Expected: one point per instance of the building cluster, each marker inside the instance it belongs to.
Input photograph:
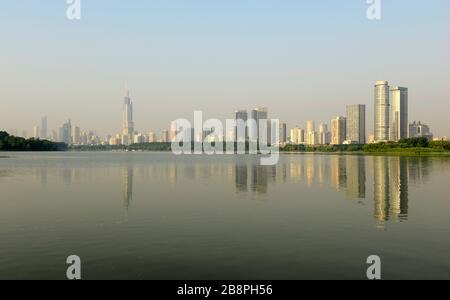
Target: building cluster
(391, 115)
(390, 124)
(350, 129)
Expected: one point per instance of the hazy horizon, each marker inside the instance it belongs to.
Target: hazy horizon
(301, 60)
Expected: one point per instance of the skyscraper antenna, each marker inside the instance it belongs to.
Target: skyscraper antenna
(127, 90)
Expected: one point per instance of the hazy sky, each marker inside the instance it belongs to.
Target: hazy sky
(302, 59)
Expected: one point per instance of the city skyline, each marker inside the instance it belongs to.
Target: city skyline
(391, 124)
(300, 59)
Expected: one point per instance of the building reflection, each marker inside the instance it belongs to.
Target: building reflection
(381, 197)
(259, 178)
(338, 167)
(390, 189)
(355, 175)
(127, 174)
(348, 174)
(255, 178)
(241, 176)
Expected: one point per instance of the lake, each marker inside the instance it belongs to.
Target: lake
(159, 216)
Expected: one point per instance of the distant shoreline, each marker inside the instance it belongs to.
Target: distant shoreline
(355, 153)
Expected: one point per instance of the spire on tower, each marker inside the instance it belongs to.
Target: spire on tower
(127, 90)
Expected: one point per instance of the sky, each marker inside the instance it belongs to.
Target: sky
(301, 59)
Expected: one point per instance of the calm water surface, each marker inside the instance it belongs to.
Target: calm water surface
(159, 216)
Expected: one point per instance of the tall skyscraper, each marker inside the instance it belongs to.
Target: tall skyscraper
(356, 123)
(399, 113)
(43, 131)
(382, 111)
(241, 115)
(258, 114)
(338, 130)
(128, 124)
(310, 132)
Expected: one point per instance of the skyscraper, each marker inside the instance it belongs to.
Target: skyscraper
(297, 136)
(356, 123)
(310, 132)
(76, 135)
(241, 116)
(324, 134)
(259, 114)
(399, 113)
(128, 124)
(283, 133)
(338, 130)
(43, 131)
(65, 133)
(382, 111)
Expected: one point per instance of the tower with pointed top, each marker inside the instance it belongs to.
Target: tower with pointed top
(128, 124)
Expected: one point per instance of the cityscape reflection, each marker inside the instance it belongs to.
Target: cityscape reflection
(349, 174)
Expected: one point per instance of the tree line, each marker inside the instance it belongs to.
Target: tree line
(420, 144)
(13, 143)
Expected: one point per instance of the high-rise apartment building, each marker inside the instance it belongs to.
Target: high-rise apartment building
(297, 136)
(324, 134)
(356, 124)
(338, 130)
(382, 111)
(399, 113)
(310, 132)
(283, 133)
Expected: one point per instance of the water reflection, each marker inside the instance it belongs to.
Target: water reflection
(391, 176)
(127, 187)
(391, 188)
(351, 175)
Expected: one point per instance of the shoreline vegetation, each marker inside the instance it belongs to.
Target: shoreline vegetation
(410, 147)
(407, 147)
(13, 143)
